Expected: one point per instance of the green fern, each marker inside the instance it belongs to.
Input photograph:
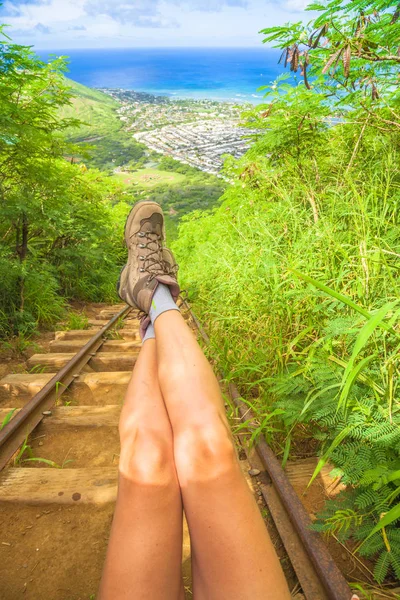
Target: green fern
(368, 459)
(382, 566)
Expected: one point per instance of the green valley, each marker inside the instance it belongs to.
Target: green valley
(104, 142)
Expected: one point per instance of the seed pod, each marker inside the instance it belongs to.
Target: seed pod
(331, 60)
(294, 63)
(346, 60)
(319, 34)
(375, 93)
(285, 54)
(306, 82)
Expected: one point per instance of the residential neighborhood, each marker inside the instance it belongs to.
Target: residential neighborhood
(195, 132)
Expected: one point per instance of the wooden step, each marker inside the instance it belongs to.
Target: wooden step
(107, 314)
(77, 416)
(130, 334)
(300, 472)
(114, 361)
(117, 307)
(75, 334)
(59, 486)
(83, 416)
(23, 385)
(49, 363)
(109, 346)
(98, 322)
(85, 335)
(26, 385)
(73, 486)
(103, 361)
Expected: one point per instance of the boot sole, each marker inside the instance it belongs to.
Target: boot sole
(119, 283)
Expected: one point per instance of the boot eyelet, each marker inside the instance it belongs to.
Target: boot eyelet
(142, 270)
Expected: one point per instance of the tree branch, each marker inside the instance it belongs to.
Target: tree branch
(386, 57)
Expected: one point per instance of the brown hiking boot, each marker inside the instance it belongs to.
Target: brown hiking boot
(171, 264)
(148, 262)
(172, 269)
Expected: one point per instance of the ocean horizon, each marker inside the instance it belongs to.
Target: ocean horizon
(223, 74)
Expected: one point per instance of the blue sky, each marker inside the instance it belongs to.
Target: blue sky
(67, 24)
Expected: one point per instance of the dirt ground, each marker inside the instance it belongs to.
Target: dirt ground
(55, 553)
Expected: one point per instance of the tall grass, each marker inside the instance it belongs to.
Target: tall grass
(304, 313)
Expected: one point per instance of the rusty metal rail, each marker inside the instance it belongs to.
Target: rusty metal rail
(24, 422)
(317, 572)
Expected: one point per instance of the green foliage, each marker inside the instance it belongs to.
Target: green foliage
(96, 110)
(100, 139)
(76, 321)
(60, 224)
(296, 273)
(180, 189)
(350, 49)
(7, 418)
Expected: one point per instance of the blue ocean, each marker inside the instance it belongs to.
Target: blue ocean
(217, 73)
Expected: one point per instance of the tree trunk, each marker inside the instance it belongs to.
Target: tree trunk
(23, 248)
(22, 251)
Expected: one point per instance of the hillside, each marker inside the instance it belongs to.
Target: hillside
(105, 145)
(96, 109)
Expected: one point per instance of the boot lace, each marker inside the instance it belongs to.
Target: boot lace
(152, 262)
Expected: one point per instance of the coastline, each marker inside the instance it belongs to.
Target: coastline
(198, 96)
(219, 74)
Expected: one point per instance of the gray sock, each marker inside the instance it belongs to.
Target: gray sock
(150, 334)
(162, 301)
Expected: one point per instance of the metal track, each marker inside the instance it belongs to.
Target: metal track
(24, 422)
(317, 572)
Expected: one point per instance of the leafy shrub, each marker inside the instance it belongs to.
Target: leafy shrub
(61, 224)
(75, 321)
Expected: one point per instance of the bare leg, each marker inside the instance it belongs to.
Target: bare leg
(232, 554)
(145, 549)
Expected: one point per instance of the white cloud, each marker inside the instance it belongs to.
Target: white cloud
(297, 5)
(69, 23)
(50, 13)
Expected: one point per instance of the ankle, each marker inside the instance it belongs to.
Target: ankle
(162, 302)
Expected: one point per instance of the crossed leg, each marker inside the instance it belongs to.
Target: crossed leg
(176, 445)
(145, 550)
(229, 539)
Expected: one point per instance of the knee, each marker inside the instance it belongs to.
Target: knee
(204, 451)
(146, 456)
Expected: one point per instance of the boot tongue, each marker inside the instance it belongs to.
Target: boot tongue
(153, 225)
(153, 251)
